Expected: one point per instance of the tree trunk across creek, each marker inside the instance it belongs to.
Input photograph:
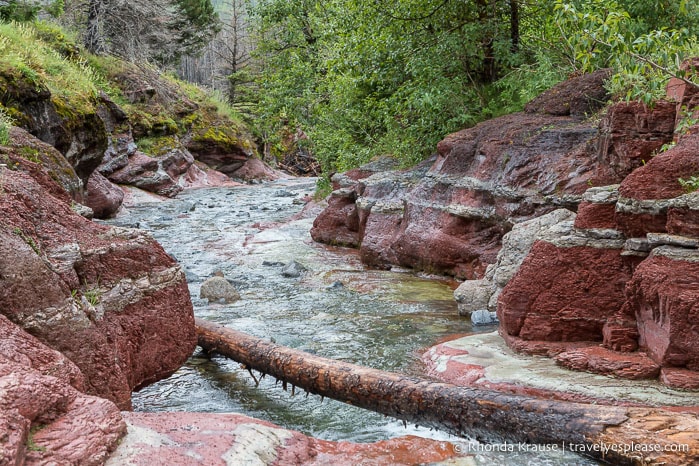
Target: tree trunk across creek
(619, 435)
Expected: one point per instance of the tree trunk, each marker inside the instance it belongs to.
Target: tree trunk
(483, 414)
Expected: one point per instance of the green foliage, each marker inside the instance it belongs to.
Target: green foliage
(600, 33)
(23, 10)
(690, 184)
(5, 123)
(196, 24)
(35, 53)
(93, 296)
(31, 444)
(364, 78)
(19, 11)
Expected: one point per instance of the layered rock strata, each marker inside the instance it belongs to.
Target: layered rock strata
(630, 300)
(449, 214)
(111, 300)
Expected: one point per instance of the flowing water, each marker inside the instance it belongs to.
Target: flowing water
(336, 309)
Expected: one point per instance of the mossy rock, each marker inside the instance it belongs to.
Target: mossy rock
(27, 147)
(158, 146)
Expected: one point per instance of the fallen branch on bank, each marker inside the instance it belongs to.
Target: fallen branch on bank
(620, 435)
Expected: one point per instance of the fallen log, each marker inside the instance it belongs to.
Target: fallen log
(620, 435)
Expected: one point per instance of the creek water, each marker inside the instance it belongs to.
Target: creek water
(337, 308)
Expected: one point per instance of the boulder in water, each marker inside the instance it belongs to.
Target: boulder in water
(217, 288)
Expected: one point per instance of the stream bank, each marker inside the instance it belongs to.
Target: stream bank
(337, 308)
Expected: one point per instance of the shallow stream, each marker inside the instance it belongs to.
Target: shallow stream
(336, 309)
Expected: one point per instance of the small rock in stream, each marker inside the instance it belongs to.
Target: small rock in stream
(483, 317)
(218, 289)
(293, 270)
(335, 285)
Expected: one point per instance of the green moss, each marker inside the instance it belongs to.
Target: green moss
(31, 444)
(218, 136)
(29, 153)
(157, 146)
(6, 122)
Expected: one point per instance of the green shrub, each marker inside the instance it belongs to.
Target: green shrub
(5, 124)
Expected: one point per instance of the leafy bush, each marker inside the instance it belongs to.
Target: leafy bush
(5, 124)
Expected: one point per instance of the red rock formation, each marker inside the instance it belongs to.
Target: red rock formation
(664, 296)
(44, 418)
(647, 319)
(449, 214)
(111, 300)
(102, 196)
(575, 291)
(237, 439)
(631, 133)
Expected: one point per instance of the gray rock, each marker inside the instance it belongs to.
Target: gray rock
(602, 195)
(293, 270)
(664, 239)
(82, 210)
(483, 317)
(637, 245)
(473, 295)
(218, 289)
(336, 285)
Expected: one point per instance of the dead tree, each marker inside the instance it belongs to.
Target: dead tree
(483, 414)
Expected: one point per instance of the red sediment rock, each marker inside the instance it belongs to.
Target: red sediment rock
(632, 132)
(237, 439)
(339, 222)
(664, 296)
(600, 360)
(111, 300)
(592, 215)
(255, 169)
(658, 179)
(683, 221)
(638, 224)
(563, 294)
(540, 347)
(103, 197)
(39, 390)
(681, 379)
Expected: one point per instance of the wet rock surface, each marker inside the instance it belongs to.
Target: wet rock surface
(218, 289)
(212, 439)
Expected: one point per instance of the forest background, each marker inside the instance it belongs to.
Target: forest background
(350, 80)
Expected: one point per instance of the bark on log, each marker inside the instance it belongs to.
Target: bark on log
(482, 414)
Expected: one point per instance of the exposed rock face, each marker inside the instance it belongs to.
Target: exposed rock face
(102, 196)
(577, 97)
(449, 215)
(255, 169)
(44, 418)
(478, 295)
(577, 290)
(176, 438)
(663, 296)
(79, 134)
(151, 173)
(111, 300)
(631, 286)
(27, 146)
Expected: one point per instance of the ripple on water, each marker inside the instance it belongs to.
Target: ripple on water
(379, 319)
